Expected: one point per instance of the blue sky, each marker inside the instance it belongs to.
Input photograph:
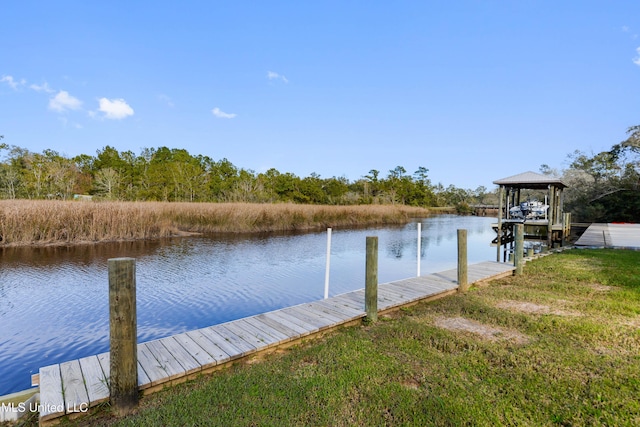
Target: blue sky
(473, 90)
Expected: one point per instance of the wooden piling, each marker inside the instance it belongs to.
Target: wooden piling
(552, 216)
(499, 241)
(463, 284)
(371, 280)
(566, 227)
(519, 249)
(123, 377)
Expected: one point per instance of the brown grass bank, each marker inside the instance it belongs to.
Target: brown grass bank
(44, 222)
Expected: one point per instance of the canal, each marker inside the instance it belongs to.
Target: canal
(54, 301)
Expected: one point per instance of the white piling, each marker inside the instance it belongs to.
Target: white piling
(545, 211)
(326, 274)
(419, 245)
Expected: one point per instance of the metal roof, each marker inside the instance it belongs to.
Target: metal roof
(530, 180)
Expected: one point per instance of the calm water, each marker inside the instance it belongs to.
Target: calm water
(54, 301)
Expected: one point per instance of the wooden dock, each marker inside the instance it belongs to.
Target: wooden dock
(76, 385)
(620, 236)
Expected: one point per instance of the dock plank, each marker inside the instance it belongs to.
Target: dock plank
(143, 379)
(450, 276)
(429, 284)
(166, 361)
(150, 365)
(489, 269)
(431, 290)
(336, 306)
(254, 335)
(356, 304)
(75, 393)
(241, 337)
(202, 357)
(314, 319)
(387, 300)
(236, 337)
(181, 355)
(396, 295)
(314, 315)
(275, 329)
(105, 363)
(51, 398)
(95, 379)
(596, 235)
(356, 296)
(275, 317)
(285, 314)
(203, 341)
(327, 312)
(429, 287)
(439, 282)
(405, 292)
(217, 336)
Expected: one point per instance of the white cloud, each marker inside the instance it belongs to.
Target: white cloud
(115, 109)
(221, 114)
(63, 102)
(12, 82)
(637, 59)
(41, 88)
(272, 75)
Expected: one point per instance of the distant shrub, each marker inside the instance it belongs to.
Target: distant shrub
(463, 208)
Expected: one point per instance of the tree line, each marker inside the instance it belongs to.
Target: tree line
(170, 174)
(604, 187)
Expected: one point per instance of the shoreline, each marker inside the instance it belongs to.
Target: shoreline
(66, 244)
(45, 223)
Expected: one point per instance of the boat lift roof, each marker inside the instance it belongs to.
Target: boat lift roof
(530, 180)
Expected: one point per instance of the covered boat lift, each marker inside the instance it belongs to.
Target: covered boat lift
(552, 229)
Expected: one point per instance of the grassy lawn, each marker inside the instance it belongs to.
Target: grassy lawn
(559, 345)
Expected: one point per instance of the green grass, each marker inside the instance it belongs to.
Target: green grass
(579, 366)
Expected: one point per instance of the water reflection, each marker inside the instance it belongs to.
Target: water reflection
(54, 301)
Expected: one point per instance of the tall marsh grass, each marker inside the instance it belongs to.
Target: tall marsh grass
(43, 222)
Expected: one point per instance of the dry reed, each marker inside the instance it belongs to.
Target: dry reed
(42, 222)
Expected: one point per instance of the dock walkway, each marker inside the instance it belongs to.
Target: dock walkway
(76, 385)
(619, 236)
